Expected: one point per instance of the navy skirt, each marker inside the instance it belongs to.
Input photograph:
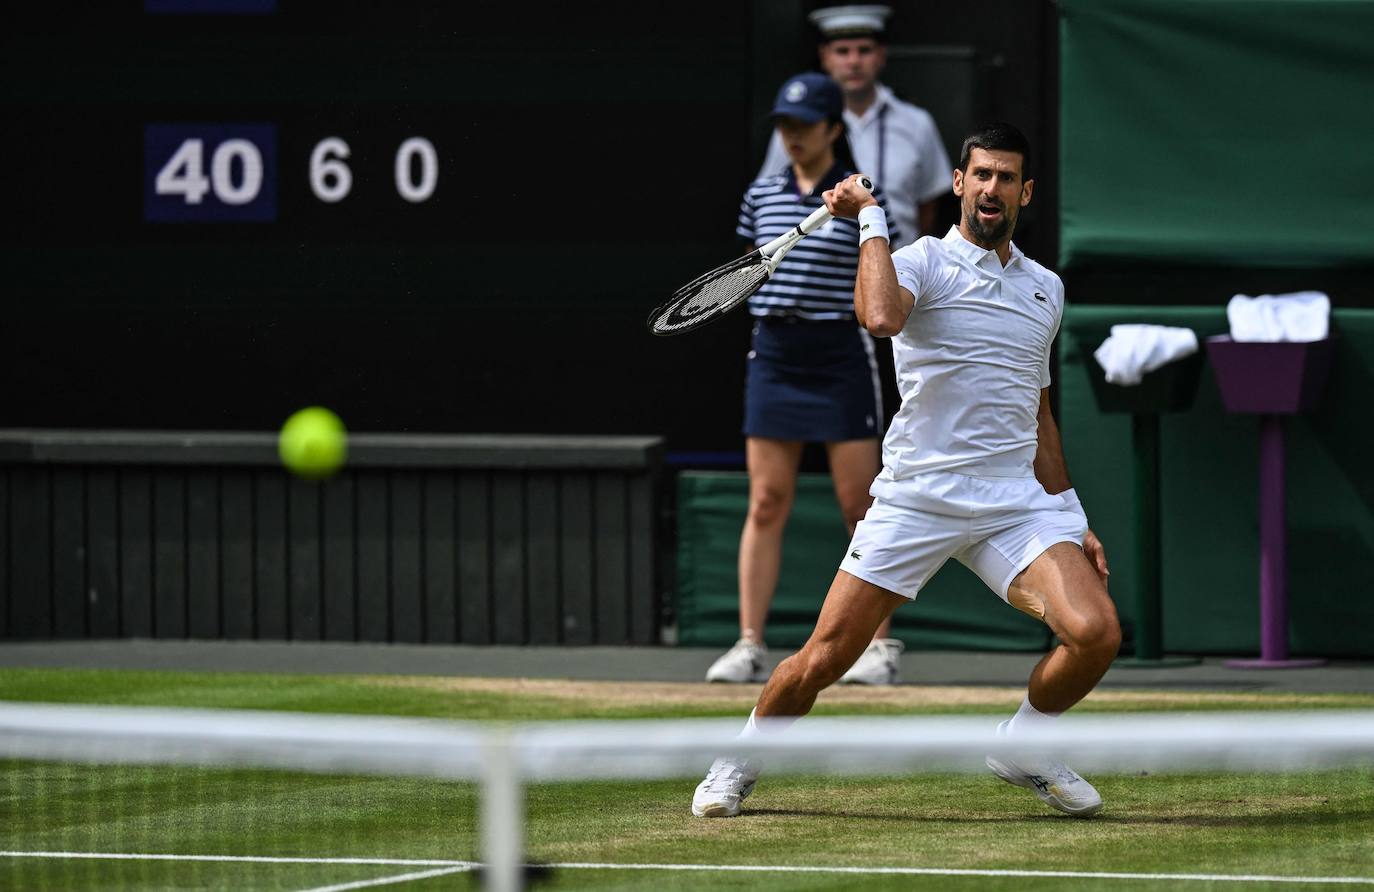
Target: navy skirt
(816, 382)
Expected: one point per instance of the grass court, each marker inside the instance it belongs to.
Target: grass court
(333, 832)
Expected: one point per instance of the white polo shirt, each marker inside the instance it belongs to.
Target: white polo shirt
(971, 361)
(898, 145)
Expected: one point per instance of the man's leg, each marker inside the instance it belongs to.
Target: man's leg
(772, 486)
(899, 548)
(1064, 588)
(853, 609)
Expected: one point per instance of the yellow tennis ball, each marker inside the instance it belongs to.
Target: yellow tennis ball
(313, 443)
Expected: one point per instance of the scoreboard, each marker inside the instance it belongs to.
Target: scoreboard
(228, 172)
(426, 214)
(190, 123)
(295, 124)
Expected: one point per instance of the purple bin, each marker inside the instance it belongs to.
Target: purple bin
(1270, 378)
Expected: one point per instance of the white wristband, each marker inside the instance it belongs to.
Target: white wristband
(1074, 505)
(872, 223)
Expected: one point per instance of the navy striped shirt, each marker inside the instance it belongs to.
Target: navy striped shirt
(816, 278)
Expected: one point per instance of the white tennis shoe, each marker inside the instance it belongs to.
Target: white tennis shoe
(727, 784)
(1057, 785)
(878, 664)
(741, 663)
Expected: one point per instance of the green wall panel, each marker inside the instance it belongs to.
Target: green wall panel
(1204, 130)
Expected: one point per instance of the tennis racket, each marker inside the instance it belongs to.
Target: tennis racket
(712, 295)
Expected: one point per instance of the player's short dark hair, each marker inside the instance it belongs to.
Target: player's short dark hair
(997, 136)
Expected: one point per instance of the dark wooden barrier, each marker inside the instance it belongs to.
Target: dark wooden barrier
(422, 538)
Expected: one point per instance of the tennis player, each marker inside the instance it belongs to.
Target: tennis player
(812, 376)
(972, 468)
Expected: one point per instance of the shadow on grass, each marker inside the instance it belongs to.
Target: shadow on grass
(1279, 820)
(904, 817)
(1282, 820)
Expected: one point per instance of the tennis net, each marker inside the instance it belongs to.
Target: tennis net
(109, 797)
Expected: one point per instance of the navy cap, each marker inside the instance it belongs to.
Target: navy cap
(811, 97)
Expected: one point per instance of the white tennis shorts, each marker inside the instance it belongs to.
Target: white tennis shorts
(995, 526)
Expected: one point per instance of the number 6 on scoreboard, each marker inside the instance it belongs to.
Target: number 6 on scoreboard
(330, 178)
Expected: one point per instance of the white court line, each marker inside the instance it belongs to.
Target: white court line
(732, 868)
(387, 881)
(247, 859)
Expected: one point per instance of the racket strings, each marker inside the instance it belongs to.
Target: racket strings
(734, 284)
(709, 295)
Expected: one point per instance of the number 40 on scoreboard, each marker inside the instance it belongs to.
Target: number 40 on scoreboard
(227, 173)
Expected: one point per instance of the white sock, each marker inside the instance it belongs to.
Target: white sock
(759, 727)
(1028, 718)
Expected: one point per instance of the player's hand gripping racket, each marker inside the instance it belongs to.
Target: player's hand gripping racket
(712, 295)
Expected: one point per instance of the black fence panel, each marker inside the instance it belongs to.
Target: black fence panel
(422, 538)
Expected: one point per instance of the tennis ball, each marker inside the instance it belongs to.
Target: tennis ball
(313, 443)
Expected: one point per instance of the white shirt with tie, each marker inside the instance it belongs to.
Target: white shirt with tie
(898, 145)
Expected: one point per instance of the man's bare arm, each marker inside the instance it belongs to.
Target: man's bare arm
(1050, 469)
(880, 304)
(1053, 474)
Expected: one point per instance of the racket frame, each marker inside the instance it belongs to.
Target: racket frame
(770, 256)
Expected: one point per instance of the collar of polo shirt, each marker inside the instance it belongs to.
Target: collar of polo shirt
(955, 241)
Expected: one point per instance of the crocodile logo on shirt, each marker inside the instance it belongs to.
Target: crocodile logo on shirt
(1040, 297)
(855, 555)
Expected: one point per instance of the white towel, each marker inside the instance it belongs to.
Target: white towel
(1301, 316)
(1134, 350)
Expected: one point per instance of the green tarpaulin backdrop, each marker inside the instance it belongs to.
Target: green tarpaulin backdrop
(1217, 131)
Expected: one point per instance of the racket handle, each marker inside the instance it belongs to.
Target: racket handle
(822, 215)
(819, 217)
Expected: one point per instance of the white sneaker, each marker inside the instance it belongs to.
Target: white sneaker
(741, 663)
(1057, 785)
(878, 664)
(727, 784)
